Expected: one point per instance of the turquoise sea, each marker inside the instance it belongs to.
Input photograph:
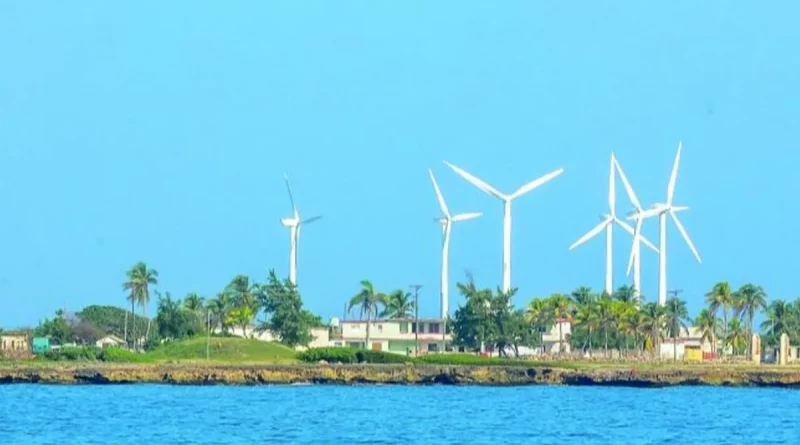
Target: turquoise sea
(153, 414)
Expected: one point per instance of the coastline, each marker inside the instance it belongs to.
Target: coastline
(266, 374)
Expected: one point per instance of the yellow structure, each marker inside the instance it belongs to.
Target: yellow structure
(693, 353)
(755, 350)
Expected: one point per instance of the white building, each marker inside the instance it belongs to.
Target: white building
(319, 336)
(398, 336)
(109, 340)
(689, 345)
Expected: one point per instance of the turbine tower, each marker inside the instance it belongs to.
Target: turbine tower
(635, 258)
(608, 222)
(486, 188)
(446, 220)
(662, 210)
(294, 224)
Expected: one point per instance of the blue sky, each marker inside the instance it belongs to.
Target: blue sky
(160, 132)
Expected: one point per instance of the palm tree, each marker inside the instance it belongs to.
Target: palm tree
(708, 324)
(243, 298)
(653, 321)
(562, 307)
(586, 316)
(399, 305)
(626, 294)
(193, 302)
(780, 319)
(676, 315)
(720, 296)
(736, 336)
(540, 316)
(583, 295)
(220, 306)
(140, 278)
(633, 325)
(605, 319)
(368, 302)
(750, 299)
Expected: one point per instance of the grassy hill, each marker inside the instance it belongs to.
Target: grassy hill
(224, 349)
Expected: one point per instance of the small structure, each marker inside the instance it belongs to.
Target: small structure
(109, 340)
(784, 351)
(755, 349)
(14, 345)
(40, 345)
(689, 345)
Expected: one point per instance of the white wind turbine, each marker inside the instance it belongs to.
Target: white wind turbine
(446, 220)
(608, 224)
(294, 224)
(635, 258)
(507, 211)
(661, 210)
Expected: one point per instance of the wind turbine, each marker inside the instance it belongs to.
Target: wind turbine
(294, 224)
(635, 259)
(661, 210)
(507, 211)
(446, 220)
(608, 222)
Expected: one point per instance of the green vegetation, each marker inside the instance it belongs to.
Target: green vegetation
(223, 349)
(287, 318)
(112, 320)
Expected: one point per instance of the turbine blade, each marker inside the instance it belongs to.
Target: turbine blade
(674, 176)
(628, 188)
(289, 189)
(466, 216)
(536, 183)
(439, 197)
(625, 226)
(654, 211)
(310, 220)
(680, 208)
(476, 182)
(591, 233)
(636, 237)
(685, 236)
(612, 187)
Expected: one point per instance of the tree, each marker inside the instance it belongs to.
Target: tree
(194, 303)
(653, 321)
(562, 307)
(174, 320)
(708, 324)
(57, 329)
(220, 306)
(244, 302)
(585, 322)
(472, 325)
(287, 319)
(720, 296)
(540, 316)
(750, 300)
(399, 305)
(605, 319)
(675, 316)
(736, 336)
(112, 320)
(780, 320)
(368, 302)
(626, 294)
(140, 278)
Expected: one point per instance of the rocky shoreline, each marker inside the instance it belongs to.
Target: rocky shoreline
(209, 374)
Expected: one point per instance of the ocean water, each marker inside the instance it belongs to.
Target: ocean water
(154, 414)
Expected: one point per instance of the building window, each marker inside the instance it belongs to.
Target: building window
(404, 327)
(433, 347)
(434, 328)
(413, 328)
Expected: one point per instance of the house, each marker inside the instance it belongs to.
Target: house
(109, 340)
(40, 345)
(688, 346)
(398, 336)
(14, 345)
(319, 336)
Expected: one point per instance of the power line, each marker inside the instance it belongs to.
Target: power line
(416, 288)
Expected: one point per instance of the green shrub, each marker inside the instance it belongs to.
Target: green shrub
(330, 355)
(467, 359)
(116, 354)
(80, 353)
(367, 356)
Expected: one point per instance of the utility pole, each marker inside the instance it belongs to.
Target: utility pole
(208, 334)
(675, 292)
(416, 288)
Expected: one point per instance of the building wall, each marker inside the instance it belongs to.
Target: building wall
(393, 330)
(14, 346)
